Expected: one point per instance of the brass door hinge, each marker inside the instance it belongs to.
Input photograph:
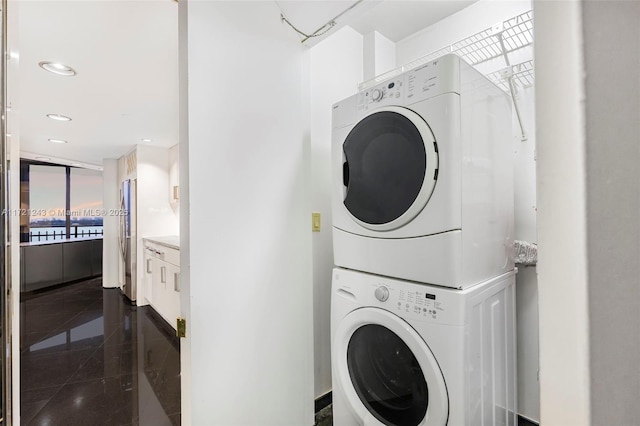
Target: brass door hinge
(181, 327)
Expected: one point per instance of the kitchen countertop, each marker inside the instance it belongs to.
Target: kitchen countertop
(63, 241)
(171, 241)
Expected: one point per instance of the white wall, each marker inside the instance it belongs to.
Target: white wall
(174, 179)
(477, 17)
(250, 325)
(110, 242)
(589, 200)
(328, 84)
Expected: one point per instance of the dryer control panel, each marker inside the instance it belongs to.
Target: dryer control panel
(423, 81)
(430, 79)
(391, 92)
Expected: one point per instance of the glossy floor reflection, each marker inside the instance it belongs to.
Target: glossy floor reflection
(89, 358)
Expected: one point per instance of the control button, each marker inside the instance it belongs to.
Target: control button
(376, 95)
(391, 85)
(382, 293)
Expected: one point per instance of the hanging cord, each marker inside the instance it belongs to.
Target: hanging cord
(511, 86)
(320, 31)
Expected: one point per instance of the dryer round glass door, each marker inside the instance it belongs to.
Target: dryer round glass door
(390, 168)
(387, 371)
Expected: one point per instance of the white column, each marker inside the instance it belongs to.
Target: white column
(612, 112)
(379, 55)
(13, 145)
(588, 97)
(562, 222)
(110, 242)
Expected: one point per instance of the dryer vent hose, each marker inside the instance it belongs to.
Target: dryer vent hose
(526, 253)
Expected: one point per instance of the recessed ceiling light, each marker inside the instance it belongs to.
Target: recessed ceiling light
(57, 68)
(59, 117)
(43, 158)
(57, 140)
(145, 140)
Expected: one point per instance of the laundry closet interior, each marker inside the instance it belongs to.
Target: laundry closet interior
(354, 60)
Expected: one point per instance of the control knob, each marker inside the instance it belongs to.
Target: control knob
(377, 95)
(382, 293)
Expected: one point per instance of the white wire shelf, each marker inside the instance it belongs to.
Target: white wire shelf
(516, 33)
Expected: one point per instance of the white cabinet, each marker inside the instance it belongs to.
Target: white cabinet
(162, 279)
(149, 263)
(170, 282)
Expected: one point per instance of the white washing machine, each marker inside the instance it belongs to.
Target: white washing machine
(409, 354)
(423, 177)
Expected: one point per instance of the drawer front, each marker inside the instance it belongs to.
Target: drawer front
(165, 253)
(150, 248)
(169, 255)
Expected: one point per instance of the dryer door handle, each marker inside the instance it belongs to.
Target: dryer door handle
(345, 173)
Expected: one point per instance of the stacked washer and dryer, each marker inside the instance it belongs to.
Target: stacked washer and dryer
(423, 293)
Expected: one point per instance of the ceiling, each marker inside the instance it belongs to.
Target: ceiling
(398, 19)
(125, 55)
(394, 19)
(126, 87)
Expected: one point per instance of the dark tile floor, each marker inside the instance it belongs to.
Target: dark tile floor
(89, 358)
(324, 417)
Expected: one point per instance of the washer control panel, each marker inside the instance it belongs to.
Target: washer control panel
(382, 293)
(407, 300)
(416, 301)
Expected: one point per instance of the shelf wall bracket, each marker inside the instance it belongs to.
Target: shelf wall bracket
(508, 74)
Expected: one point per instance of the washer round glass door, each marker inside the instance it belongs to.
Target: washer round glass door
(388, 372)
(389, 169)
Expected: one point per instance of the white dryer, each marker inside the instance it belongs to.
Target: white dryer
(423, 177)
(409, 354)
